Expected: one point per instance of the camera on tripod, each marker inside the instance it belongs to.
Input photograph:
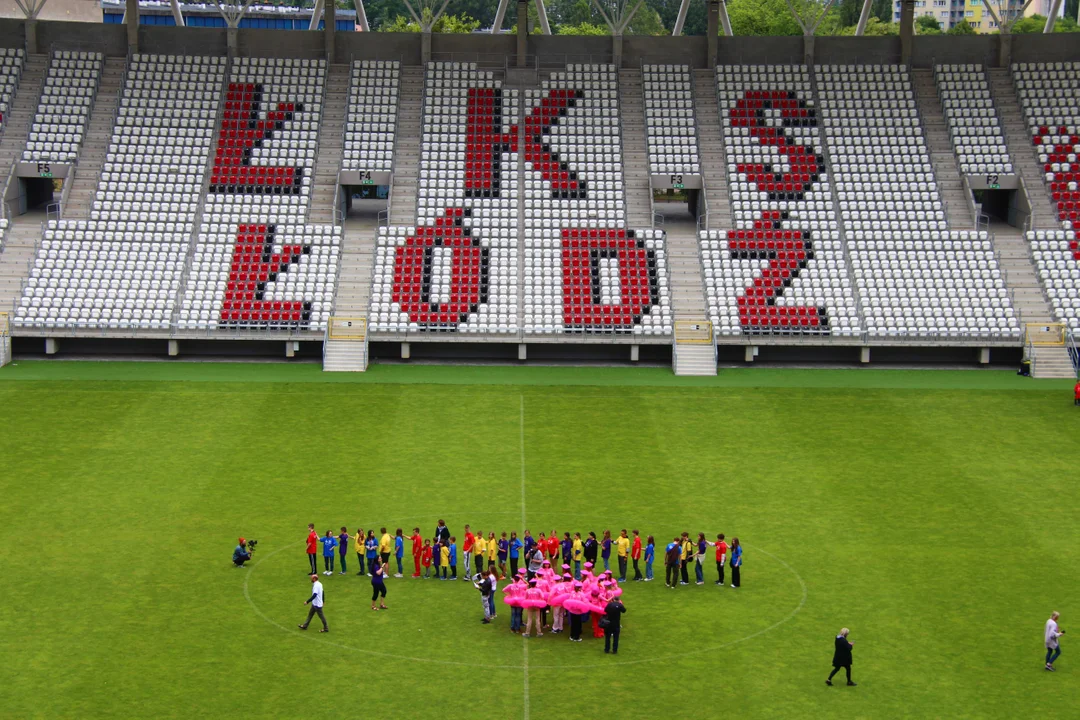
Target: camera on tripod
(251, 545)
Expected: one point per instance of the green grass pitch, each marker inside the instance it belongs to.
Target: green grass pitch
(934, 513)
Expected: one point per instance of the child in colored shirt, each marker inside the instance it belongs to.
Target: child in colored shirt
(425, 559)
(399, 552)
(444, 559)
(343, 548)
(328, 544)
(453, 558)
(650, 553)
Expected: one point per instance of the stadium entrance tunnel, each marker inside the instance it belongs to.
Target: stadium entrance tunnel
(36, 194)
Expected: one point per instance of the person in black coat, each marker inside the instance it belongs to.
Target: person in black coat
(443, 534)
(842, 656)
(612, 615)
(591, 547)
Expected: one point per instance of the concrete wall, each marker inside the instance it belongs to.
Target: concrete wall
(856, 50)
(484, 49)
(11, 33)
(927, 51)
(110, 39)
(404, 47)
(187, 41)
(570, 48)
(759, 50)
(638, 49)
(256, 42)
(1056, 47)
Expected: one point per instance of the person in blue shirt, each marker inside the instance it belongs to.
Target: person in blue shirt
(343, 547)
(699, 558)
(371, 549)
(650, 553)
(528, 543)
(515, 553)
(453, 558)
(240, 555)
(736, 563)
(399, 551)
(605, 549)
(329, 542)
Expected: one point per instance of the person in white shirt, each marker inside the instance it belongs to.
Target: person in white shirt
(1051, 635)
(316, 603)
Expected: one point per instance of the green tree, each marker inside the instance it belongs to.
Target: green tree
(762, 17)
(461, 24)
(583, 29)
(927, 25)
(882, 10)
(646, 21)
(961, 28)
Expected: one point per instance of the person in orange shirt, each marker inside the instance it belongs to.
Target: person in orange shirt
(466, 550)
(417, 550)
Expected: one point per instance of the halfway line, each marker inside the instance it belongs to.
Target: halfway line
(524, 645)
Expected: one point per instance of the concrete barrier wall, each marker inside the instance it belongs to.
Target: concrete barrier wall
(926, 51)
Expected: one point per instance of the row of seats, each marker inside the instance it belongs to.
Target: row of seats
(878, 149)
(972, 119)
(1049, 95)
(122, 268)
(257, 265)
(782, 271)
(670, 128)
(64, 107)
(371, 117)
(11, 66)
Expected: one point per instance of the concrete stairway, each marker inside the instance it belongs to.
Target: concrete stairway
(407, 147)
(22, 238)
(1023, 154)
(941, 151)
(345, 356)
(1023, 280)
(19, 118)
(324, 189)
(694, 359)
(711, 144)
(634, 150)
(684, 265)
(353, 295)
(1051, 361)
(83, 187)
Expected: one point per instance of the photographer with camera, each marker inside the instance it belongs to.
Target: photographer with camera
(243, 552)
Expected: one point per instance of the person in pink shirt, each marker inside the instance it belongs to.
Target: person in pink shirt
(534, 600)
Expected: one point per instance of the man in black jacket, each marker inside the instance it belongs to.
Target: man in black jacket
(485, 588)
(591, 548)
(842, 656)
(613, 615)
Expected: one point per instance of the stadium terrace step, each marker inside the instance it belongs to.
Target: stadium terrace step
(19, 118)
(639, 206)
(711, 144)
(942, 156)
(407, 147)
(324, 192)
(1051, 361)
(684, 264)
(83, 186)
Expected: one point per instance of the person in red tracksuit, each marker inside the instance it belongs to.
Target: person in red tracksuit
(1076, 393)
(312, 548)
(635, 555)
(417, 550)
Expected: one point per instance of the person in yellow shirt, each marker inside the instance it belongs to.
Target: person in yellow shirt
(622, 546)
(493, 551)
(386, 546)
(579, 551)
(358, 545)
(479, 549)
(687, 551)
(444, 560)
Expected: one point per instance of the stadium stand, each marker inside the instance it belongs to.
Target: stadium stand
(11, 65)
(972, 119)
(122, 267)
(66, 100)
(257, 265)
(669, 120)
(781, 270)
(372, 115)
(1049, 95)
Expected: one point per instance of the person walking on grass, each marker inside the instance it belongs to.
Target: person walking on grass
(1051, 635)
(650, 554)
(343, 548)
(736, 563)
(613, 613)
(399, 552)
(841, 654)
(328, 544)
(721, 557)
(622, 551)
(315, 603)
(671, 563)
(378, 585)
(417, 550)
(312, 548)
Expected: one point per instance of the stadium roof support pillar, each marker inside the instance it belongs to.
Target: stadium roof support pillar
(31, 9)
(712, 31)
(864, 17)
(1052, 16)
(618, 18)
(522, 32)
(541, 14)
(680, 19)
(907, 30)
(132, 20)
(233, 11)
(361, 16)
(178, 15)
(329, 26)
(500, 16)
(316, 13)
